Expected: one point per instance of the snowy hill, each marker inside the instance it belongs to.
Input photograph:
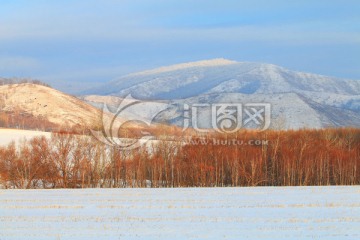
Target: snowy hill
(300, 99)
(41, 102)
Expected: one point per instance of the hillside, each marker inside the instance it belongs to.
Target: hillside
(33, 103)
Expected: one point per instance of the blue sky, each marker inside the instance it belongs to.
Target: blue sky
(69, 43)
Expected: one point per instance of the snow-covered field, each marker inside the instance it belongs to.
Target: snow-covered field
(9, 135)
(203, 213)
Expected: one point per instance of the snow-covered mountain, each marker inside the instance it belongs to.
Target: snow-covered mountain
(298, 99)
(223, 76)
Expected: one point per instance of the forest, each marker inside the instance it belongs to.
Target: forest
(248, 158)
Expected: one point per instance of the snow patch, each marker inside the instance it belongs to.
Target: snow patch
(204, 63)
(14, 135)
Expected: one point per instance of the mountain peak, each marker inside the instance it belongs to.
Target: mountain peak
(204, 63)
(222, 76)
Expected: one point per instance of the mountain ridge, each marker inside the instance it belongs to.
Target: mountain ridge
(327, 101)
(192, 79)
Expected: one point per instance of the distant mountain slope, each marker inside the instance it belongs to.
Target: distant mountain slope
(289, 110)
(48, 104)
(222, 76)
(299, 100)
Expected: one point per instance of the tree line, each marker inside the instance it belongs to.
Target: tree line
(21, 120)
(282, 158)
(15, 80)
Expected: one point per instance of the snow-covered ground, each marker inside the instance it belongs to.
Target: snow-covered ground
(9, 135)
(203, 213)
